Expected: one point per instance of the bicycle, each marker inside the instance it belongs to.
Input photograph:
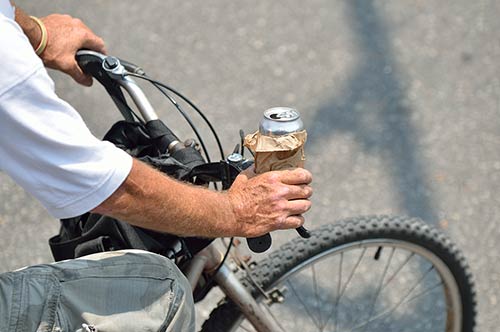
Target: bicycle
(383, 273)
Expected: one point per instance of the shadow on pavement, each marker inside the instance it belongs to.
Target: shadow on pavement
(373, 107)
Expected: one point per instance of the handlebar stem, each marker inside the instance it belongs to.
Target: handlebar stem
(139, 98)
(117, 71)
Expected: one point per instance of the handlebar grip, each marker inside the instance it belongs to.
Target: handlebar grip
(260, 244)
(90, 62)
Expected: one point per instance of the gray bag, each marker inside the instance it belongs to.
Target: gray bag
(129, 290)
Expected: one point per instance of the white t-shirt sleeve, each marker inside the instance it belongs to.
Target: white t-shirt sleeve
(44, 144)
(7, 9)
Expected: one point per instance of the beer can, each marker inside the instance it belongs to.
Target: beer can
(279, 121)
(279, 143)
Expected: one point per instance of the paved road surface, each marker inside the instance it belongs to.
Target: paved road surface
(401, 99)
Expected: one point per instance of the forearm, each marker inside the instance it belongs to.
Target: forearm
(30, 28)
(152, 200)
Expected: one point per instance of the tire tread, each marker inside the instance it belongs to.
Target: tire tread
(328, 236)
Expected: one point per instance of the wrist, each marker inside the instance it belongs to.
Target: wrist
(42, 44)
(29, 27)
(224, 219)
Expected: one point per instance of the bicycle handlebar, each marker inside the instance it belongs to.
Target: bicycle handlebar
(86, 57)
(112, 72)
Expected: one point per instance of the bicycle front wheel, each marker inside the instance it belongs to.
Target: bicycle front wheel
(362, 274)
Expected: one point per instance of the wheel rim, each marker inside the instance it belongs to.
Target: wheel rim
(422, 261)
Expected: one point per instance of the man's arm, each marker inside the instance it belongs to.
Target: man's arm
(66, 35)
(253, 206)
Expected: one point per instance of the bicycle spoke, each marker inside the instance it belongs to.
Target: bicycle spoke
(303, 304)
(353, 272)
(430, 289)
(339, 296)
(402, 301)
(383, 284)
(388, 312)
(315, 284)
(380, 285)
(389, 280)
(339, 284)
(268, 309)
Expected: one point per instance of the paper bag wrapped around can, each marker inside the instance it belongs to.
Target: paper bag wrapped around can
(277, 152)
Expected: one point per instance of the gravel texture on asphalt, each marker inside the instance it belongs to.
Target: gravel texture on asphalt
(400, 100)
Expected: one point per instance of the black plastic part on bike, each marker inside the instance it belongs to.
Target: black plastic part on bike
(222, 171)
(161, 134)
(303, 232)
(260, 244)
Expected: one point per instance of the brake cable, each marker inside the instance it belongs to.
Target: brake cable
(186, 117)
(246, 268)
(189, 102)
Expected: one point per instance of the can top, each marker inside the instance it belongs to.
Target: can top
(282, 114)
(279, 121)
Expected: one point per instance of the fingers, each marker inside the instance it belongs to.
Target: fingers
(294, 209)
(296, 176)
(78, 75)
(273, 200)
(67, 35)
(94, 43)
(297, 192)
(91, 42)
(294, 221)
(298, 207)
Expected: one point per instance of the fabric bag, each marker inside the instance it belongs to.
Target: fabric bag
(119, 291)
(92, 233)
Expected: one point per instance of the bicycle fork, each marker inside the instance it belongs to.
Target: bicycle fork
(228, 282)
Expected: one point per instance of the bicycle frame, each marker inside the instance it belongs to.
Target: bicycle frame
(231, 286)
(210, 258)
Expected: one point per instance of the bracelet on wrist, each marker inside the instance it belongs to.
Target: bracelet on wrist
(43, 41)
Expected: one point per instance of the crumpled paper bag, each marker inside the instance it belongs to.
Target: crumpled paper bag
(277, 152)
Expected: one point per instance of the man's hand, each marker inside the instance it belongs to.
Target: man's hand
(66, 35)
(270, 201)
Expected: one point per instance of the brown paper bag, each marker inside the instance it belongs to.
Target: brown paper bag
(277, 152)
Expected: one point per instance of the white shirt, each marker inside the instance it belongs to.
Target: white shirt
(44, 144)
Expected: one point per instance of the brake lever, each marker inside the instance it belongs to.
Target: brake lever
(303, 232)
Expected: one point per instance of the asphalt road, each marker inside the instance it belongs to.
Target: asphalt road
(400, 99)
